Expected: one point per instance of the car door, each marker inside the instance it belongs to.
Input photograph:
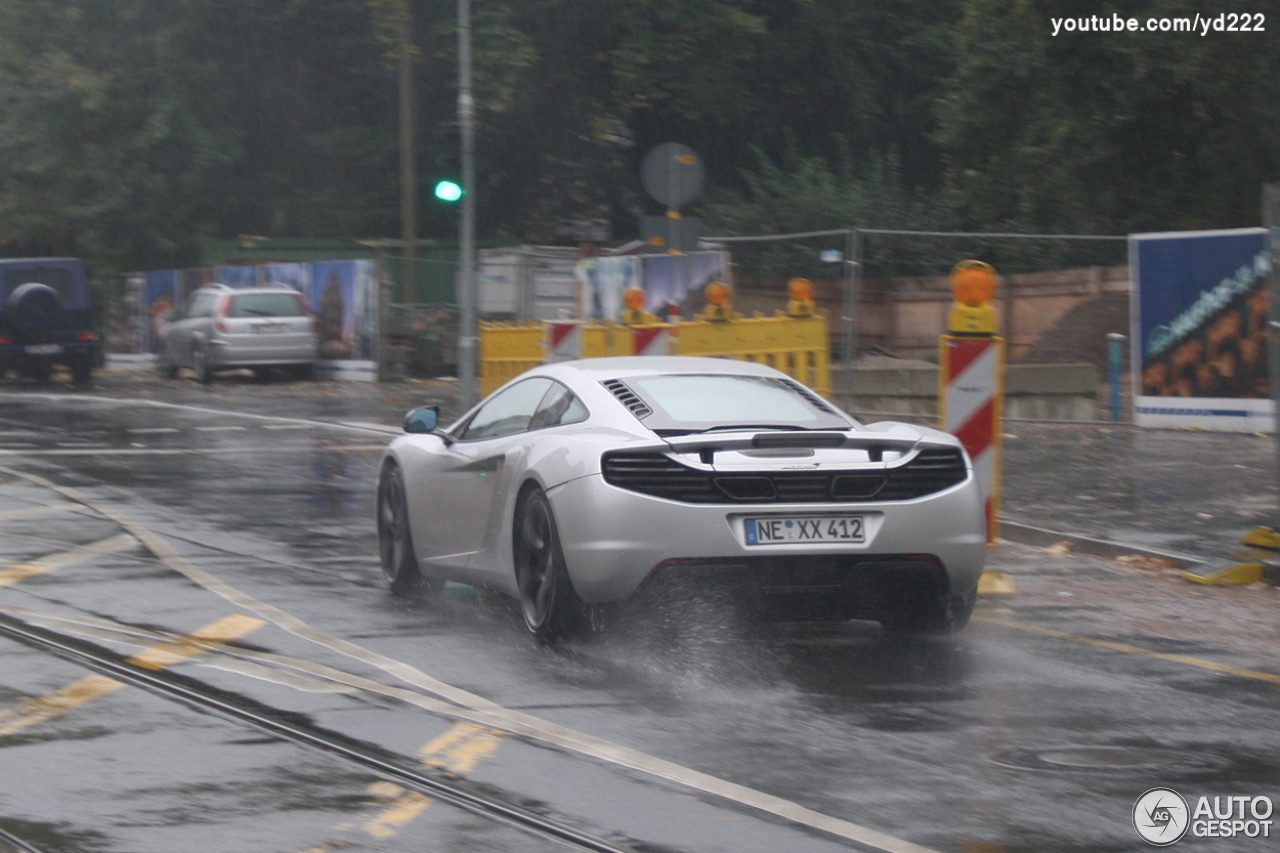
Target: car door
(180, 336)
(461, 495)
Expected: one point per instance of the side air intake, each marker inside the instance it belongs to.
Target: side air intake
(628, 398)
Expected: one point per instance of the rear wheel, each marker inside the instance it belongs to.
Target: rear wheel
(200, 360)
(40, 369)
(395, 543)
(82, 369)
(551, 608)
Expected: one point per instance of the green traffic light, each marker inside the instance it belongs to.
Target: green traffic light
(448, 191)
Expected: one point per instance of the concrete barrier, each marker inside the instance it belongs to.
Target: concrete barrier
(1055, 392)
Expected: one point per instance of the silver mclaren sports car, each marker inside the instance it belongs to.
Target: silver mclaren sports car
(577, 483)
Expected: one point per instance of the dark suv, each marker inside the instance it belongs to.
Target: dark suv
(46, 318)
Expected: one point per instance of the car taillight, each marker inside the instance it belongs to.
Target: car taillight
(224, 306)
(86, 336)
(4, 339)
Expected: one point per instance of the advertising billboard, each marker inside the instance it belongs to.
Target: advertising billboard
(1199, 320)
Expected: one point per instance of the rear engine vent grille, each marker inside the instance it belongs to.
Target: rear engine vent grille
(655, 474)
(817, 402)
(932, 470)
(627, 397)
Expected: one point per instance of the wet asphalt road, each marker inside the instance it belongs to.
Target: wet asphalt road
(1034, 729)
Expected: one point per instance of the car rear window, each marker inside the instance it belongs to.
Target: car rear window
(282, 304)
(698, 402)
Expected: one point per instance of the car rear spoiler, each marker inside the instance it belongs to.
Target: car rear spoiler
(800, 439)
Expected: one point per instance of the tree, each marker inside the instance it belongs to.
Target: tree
(1105, 132)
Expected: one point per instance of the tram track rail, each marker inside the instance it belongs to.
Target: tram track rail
(10, 843)
(177, 688)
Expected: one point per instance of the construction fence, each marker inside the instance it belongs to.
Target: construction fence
(797, 346)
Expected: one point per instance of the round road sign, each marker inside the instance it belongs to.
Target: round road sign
(672, 174)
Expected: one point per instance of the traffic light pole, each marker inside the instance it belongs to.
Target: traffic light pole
(467, 339)
(408, 175)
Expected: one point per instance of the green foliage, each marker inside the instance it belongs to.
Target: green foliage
(132, 129)
(1106, 132)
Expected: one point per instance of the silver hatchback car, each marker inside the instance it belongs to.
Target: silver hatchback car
(254, 327)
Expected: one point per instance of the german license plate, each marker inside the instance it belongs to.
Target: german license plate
(795, 529)
(43, 349)
(269, 328)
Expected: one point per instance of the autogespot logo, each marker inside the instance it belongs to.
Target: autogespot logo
(1160, 816)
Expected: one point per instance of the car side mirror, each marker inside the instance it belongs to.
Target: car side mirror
(422, 420)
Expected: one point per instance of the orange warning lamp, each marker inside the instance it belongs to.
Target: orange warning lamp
(973, 284)
(633, 307)
(800, 293)
(718, 296)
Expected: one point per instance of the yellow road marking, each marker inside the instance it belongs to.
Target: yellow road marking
(53, 562)
(223, 631)
(1135, 650)
(36, 511)
(33, 711)
(459, 749)
(995, 583)
(407, 806)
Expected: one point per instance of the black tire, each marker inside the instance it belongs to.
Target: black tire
(40, 369)
(167, 369)
(548, 602)
(395, 541)
(200, 361)
(82, 369)
(930, 615)
(304, 372)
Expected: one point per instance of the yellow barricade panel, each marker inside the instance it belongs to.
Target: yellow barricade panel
(798, 346)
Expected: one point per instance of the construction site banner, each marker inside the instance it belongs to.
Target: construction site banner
(671, 283)
(342, 294)
(1199, 320)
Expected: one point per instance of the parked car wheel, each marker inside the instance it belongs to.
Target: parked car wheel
(200, 359)
(40, 369)
(82, 369)
(550, 607)
(395, 542)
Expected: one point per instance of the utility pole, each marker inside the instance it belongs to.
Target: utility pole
(467, 339)
(408, 174)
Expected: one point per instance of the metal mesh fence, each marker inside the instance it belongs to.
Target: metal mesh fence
(421, 340)
(1062, 299)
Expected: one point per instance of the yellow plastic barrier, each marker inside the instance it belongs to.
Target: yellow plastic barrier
(506, 351)
(798, 346)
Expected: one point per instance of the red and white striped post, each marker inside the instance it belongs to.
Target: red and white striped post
(562, 341)
(650, 340)
(971, 360)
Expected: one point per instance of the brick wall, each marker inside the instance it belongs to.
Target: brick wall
(906, 315)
